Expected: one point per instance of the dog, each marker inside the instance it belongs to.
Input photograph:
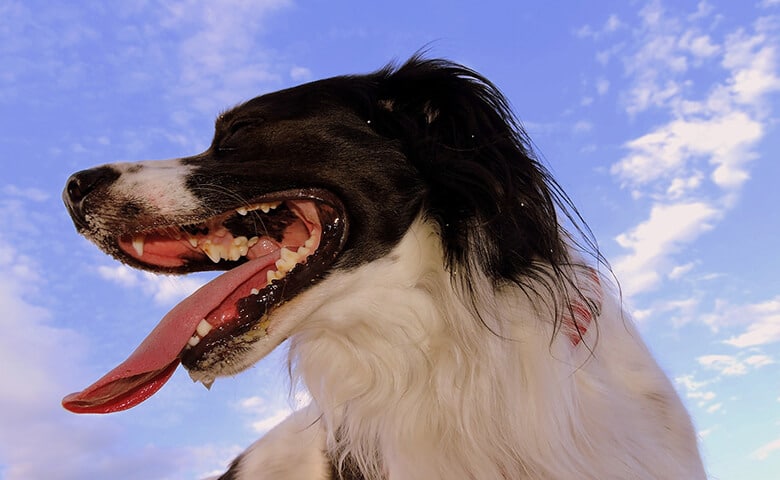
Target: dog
(399, 231)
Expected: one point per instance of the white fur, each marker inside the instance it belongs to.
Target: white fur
(158, 186)
(409, 382)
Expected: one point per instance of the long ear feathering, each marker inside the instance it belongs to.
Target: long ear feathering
(497, 207)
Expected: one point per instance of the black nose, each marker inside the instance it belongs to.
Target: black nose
(80, 185)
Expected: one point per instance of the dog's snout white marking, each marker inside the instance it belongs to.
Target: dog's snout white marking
(159, 186)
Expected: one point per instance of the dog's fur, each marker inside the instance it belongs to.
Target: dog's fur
(460, 333)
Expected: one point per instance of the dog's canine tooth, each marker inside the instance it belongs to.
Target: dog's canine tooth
(212, 251)
(193, 241)
(138, 244)
(242, 211)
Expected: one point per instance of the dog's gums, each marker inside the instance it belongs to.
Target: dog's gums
(272, 250)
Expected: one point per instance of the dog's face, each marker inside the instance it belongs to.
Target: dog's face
(303, 183)
(291, 188)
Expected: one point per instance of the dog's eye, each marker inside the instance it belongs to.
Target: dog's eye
(234, 131)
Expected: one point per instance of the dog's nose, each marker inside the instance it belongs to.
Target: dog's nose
(81, 184)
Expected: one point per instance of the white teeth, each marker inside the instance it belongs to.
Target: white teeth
(267, 207)
(193, 241)
(303, 251)
(255, 291)
(287, 262)
(252, 241)
(138, 244)
(204, 328)
(194, 340)
(212, 251)
(310, 241)
(241, 211)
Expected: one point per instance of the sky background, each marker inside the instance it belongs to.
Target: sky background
(659, 118)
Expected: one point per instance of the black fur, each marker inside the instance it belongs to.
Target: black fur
(428, 119)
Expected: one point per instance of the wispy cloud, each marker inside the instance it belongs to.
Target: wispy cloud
(696, 390)
(766, 450)
(164, 289)
(760, 322)
(734, 365)
(691, 168)
(264, 415)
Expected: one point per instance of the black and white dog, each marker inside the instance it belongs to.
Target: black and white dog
(397, 228)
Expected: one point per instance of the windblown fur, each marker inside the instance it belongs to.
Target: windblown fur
(462, 332)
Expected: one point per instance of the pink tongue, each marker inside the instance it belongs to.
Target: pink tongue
(154, 361)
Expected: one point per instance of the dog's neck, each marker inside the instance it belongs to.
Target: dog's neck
(404, 370)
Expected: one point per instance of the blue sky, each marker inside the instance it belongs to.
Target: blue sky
(659, 118)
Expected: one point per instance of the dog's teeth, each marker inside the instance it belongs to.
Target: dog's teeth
(256, 291)
(288, 260)
(241, 211)
(309, 242)
(194, 340)
(267, 207)
(303, 251)
(270, 276)
(193, 241)
(138, 244)
(289, 256)
(234, 253)
(204, 328)
(252, 242)
(212, 251)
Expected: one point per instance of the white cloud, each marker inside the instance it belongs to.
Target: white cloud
(602, 86)
(695, 390)
(40, 364)
(693, 166)
(672, 148)
(265, 415)
(734, 365)
(300, 74)
(714, 408)
(760, 322)
(611, 25)
(165, 289)
(221, 59)
(765, 451)
(654, 241)
(33, 194)
(752, 59)
(680, 270)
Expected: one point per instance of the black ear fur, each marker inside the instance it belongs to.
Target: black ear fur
(488, 192)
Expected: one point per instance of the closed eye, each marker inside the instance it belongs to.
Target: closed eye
(234, 130)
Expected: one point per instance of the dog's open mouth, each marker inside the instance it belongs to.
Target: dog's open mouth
(272, 249)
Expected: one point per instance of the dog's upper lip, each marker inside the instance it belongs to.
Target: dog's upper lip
(154, 361)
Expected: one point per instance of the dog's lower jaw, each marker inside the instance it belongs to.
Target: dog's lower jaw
(408, 382)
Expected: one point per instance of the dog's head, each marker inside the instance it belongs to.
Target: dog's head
(301, 183)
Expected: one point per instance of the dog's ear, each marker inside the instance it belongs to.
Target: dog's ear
(491, 197)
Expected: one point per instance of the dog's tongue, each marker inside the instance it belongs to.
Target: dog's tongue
(154, 361)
